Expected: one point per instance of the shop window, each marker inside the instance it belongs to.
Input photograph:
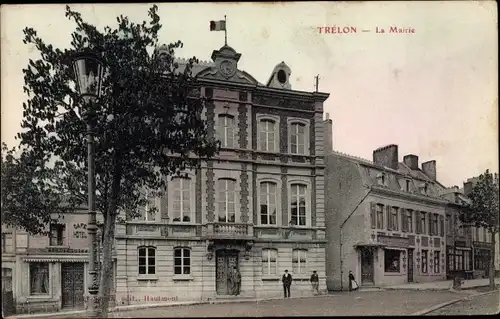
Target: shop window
(147, 261)
(436, 262)
(424, 261)
(39, 278)
(182, 261)
(392, 260)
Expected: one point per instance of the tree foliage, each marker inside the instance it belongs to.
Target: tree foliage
(34, 194)
(483, 211)
(147, 123)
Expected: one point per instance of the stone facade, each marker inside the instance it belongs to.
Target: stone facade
(374, 208)
(189, 258)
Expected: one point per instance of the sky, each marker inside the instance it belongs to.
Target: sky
(433, 92)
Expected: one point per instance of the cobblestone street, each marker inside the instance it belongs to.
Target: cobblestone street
(359, 303)
(481, 305)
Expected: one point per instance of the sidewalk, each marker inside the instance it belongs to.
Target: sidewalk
(443, 285)
(70, 313)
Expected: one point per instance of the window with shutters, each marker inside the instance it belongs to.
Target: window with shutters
(394, 218)
(373, 215)
(380, 216)
(441, 226)
(423, 225)
(57, 234)
(435, 224)
(409, 220)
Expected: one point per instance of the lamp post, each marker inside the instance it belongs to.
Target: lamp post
(88, 71)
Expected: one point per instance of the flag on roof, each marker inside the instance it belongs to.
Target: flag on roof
(218, 25)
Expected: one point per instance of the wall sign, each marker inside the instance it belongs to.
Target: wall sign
(80, 230)
(393, 241)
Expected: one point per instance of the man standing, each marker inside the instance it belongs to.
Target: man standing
(236, 281)
(287, 282)
(315, 283)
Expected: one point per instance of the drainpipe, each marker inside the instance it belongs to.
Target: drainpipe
(342, 225)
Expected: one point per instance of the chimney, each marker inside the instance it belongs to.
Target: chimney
(386, 156)
(429, 169)
(328, 125)
(411, 161)
(467, 188)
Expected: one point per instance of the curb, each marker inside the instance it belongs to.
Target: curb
(448, 303)
(164, 305)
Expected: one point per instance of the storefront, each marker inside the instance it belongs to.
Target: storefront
(459, 261)
(482, 255)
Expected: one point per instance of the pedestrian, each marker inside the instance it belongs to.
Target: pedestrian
(287, 282)
(315, 282)
(236, 281)
(353, 285)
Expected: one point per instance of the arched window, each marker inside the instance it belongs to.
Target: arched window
(298, 205)
(147, 260)
(225, 131)
(182, 210)
(267, 135)
(182, 261)
(269, 262)
(227, 200)
(299, 261)
(297, 138)
(268, 203)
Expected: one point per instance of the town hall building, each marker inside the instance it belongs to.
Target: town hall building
(258, 207)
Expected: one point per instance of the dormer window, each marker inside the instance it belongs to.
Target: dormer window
(424, 188)
(407, 182)
(382, 179)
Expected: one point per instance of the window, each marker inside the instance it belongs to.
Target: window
(269, 261)
(451, 260)
(57, 234)
(7, 243)
(409, 219)
(422, 222)
(373, 215)
(435, 225)
(226, 130)
(441, 226)
(392, 260)
(407, 185)
(424, 261)
(181, 208)
(148, 211)
(477, 234)
(449, 225)
(299, 257)
(485, 238)
(267, 135)
(298, 204)
(380, 216)
(436, 262)
(297, 138)
(382, 179)
(147, 261)
(182, 261)
(39, 278)
(227, 200)
(394, 218)
(268, 203)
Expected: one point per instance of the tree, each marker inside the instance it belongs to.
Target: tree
(34, 194)
(148, 122)
(484, 213)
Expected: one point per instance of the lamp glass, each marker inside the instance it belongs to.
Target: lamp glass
(88, 74)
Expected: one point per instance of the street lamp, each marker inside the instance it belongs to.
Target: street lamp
(88, 71)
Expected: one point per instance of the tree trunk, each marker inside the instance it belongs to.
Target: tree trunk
(492, 260)
(109, 237)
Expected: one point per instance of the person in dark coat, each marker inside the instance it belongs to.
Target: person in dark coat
(287, 282)
(315, 282)
(236, 281)
(352, 281)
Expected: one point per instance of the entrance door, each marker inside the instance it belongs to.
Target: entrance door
(410, 264)
(367, 267)
(72, 275)
(226, 261)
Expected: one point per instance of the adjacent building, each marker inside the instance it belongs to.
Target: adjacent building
(385, 220)
(459, 261)
(258, 207)
(46, 273)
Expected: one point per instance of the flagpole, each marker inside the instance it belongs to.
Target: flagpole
(225, 30)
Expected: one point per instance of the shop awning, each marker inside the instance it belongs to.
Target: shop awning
(368, 245)
(52, 259)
